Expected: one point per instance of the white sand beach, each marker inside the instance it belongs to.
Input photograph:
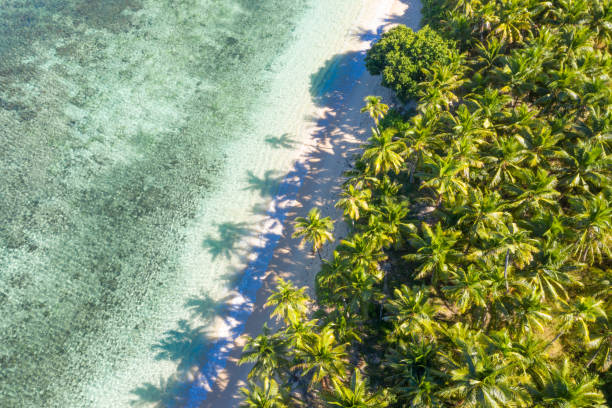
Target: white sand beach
(335, 129)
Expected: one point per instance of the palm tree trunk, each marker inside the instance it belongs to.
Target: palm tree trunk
(561, 333)
(593, 358)
(506, 269)
(319, 253)
(382, 302)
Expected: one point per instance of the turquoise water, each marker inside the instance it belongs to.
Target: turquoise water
(117, 124)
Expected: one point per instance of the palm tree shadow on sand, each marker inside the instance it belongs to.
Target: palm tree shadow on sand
(281, 142)
(266, 185)
(326, 91)
(186, 345)
(229, 235)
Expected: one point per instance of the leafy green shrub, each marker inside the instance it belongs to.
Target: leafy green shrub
(401, 54)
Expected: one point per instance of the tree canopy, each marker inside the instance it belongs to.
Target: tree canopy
(478, 265)
(401, 55)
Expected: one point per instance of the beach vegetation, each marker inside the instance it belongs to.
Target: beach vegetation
(314, 229)
(401, 55)
(477, 267)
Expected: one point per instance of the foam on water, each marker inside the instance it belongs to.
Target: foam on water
(137, 138)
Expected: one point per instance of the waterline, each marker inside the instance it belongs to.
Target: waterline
(133, 159)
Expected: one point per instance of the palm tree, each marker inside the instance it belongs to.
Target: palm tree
(467, 287)
(330, 278)
(412, 311)
(353, 200)
(392, 216)
(414, 372)
(375, 108)
(441, 80)
(480, 379)
(267, 352)
(580, 313)
(355, 395)
(536, 191)
(314, 229)
(593, 224)
(484, 212)
(561, 389)
(489, 104)
(383, 153)
(513, 242)
(290, 303)
(587, 167)
(505, 160)
(299, 331)
(362, 253)
(529, 313)
(602, 344)
(322, 356)
(516, 76)
(419, 138)
(553, 271)
(489, 53)
(435, 251)
(266, 396)
(542, 145)
(442, 175)
(514, 20)
(528, 353)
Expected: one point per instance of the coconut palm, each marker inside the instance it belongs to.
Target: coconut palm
(489, 53)
(290, 303)
(480, 379)
(530, 313)
(593, 224)
(314, 229)
(579, 314)
(442, 174)
(535, 191)
(483, 213)
(489, 105)
(267, 352)
(375, 108)
(419, 138)
(412, 311)
(435, 251)
(513, 243)
(363, 253)
(467, 287)
(383, 153)
(553, 271)
(322, 356)
(441, 81)
(414, 372)
(356, 395)
(562, 389)
(353, 201)
(586, 168)
(267, 395)
(513, 22)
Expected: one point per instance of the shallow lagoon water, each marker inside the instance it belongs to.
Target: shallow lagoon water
(138, 141)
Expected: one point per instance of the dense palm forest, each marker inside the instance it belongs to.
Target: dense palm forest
(477, 271)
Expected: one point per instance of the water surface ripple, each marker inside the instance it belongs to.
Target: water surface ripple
(113, 118)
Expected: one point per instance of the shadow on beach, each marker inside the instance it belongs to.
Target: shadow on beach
(330, 88)
(209, 375)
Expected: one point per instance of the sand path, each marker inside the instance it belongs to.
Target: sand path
(336, 129)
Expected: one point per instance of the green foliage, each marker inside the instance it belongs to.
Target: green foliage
(477, 270)
(400, 56)
(314, 229)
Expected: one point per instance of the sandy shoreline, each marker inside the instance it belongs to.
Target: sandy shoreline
(336, 129)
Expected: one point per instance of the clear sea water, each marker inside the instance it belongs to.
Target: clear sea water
(140, 142)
